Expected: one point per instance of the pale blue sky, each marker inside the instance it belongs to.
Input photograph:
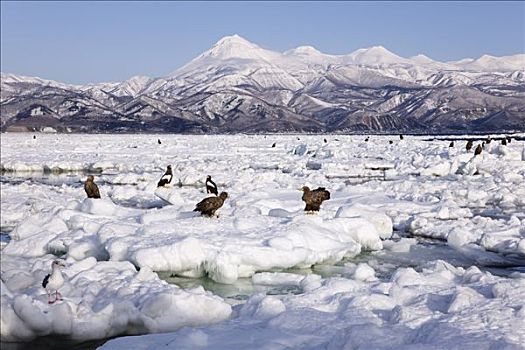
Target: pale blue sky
(80, 42)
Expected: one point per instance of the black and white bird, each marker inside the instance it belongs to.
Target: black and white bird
(211, 187)
(166, 178)
(53, 281)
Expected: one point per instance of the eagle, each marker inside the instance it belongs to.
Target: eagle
(166, 178)
(451, 144)
(478, 150)
(91, 187)
(209, 205)
(469, 145)
(504, 142)
(313, 199)
(159, 142)
(401, 136)
(211, 187)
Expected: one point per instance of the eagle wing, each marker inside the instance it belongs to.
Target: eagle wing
(209, 205)
(315, 198)
(91, 189)
(164, 180)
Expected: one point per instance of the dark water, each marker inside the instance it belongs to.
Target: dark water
(53, 343)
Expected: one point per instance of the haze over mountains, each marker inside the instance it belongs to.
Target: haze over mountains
(237, 86)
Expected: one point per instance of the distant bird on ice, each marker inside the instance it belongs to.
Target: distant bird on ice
(509, 139)
(166, 178)
(313, 199)
(504, 142)
(325, 141)
(34, 137)
(211, 187)
(91, 187)
(209, 205)
(478, 150)
(451, 144)
(158, 141)
(366, 140)
(390, 142)
(53, 281)
(401, 137)
(469, 145)
(273, 145)
(488, 140)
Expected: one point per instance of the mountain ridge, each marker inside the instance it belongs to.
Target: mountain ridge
(237, 86)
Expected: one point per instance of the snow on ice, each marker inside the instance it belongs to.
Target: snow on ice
(382, 196)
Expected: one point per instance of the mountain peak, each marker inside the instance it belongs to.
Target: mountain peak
(235, 46)
(304, 50)
(375, 55)
(234, 39)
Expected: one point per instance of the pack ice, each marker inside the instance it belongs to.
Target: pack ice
(114, 246)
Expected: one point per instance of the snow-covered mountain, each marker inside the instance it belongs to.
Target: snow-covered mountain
(238, 86)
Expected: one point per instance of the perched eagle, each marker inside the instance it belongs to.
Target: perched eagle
(159, 142)
(209, 205)
(313, 199)
(504, 142)
(401, 136)
(211, 187)
(451, 144)
(91, 187)
(166, 178)
(478, 150)
(469, 145)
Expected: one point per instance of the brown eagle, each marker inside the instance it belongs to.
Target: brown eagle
(91, 187)
(451, 144)
(209, 205)
(478, 150)
(166, 178)
(313, 199)
(469, 145)
(211, 187)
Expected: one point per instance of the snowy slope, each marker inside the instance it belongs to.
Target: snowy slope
(349, 85)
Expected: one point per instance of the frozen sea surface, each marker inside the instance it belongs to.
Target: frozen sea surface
(420, 246)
